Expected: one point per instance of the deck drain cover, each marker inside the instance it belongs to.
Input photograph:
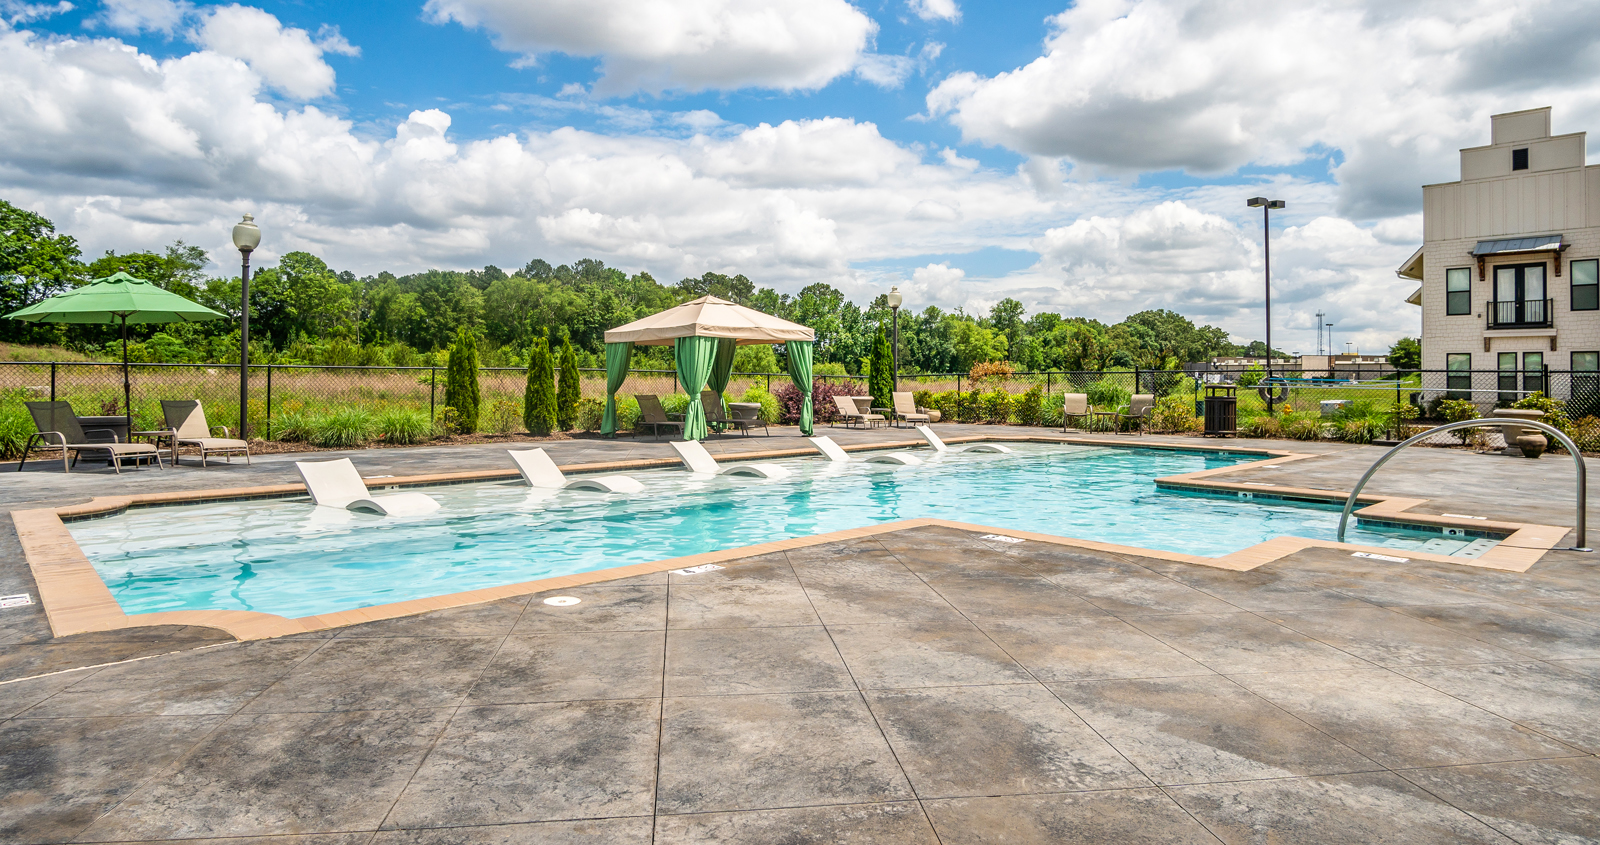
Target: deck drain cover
(1001, 538)
(562, 601)
(18, 600)
(696, 570)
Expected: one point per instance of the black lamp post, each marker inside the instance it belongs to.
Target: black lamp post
(1266, 207)
(246, 237)
(894, 308)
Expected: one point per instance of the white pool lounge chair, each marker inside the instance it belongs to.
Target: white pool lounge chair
(698, 460)
(938, 445)
(837, 454)
(336, 484)
(540, 471)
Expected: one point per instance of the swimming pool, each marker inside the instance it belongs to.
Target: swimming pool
(291, 558)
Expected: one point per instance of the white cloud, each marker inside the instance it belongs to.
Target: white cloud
(885, 71)
(935, 10)
(136, 16)
(17, 13)
(1140, 85)
(657, 45)
(285, 57)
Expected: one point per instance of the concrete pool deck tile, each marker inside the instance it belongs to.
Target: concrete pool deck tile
(1354, 809)
(879, 601)
(924, 654)
(1553, 701)
(1584, 666)
(759, 569)
(1138, 591)
(732, 661)
(1519, 628)
(62, 774)
(1586, 610)
(756, 752)
(740, 604)
(1388, 638)
(532, 668)
(419, 672)
(18, 696)
(987, 597)
(279, 772)
(27, 660)
(1146, 816)
(615, 831)
(1274, 587)
(1550, 802)
(866, 565)
(217, 680)
(490, 618)
(1088, 647)
(1233, 643)
(1205, 729)
(956, 742)
(1399, 722)
(899, 823)
(600, 608)
(502, 764)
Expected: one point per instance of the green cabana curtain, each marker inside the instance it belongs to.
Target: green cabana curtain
(694, 356)
(800, 370)
(722, 365)
(617, 357)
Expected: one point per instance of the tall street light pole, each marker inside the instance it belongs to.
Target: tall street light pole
(246, 237)
(1266, 207)
(894, 307)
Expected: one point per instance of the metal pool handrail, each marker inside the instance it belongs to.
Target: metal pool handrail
(1572, 448)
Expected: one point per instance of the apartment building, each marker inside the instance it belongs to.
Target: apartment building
(1510, 264)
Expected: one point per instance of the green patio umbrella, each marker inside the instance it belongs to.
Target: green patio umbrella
(119, 298)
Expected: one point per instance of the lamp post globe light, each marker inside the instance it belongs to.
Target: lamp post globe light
(894, 308)
(246, 237)
(1266, 207)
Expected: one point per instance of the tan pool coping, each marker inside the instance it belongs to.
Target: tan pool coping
(77, 601)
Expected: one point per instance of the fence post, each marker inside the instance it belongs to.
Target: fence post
(433, 389)
(769, 382)
(961, 399)
(1135, 378)
(269, 401)
(52, 381)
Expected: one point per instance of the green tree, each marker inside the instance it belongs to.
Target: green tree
(461, 383)
(973, 343)
(569, 390)
(1406, 355)
(880, 378)
(539, 397)
(35, 263)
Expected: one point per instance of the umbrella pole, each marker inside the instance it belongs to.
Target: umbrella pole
(127, 393)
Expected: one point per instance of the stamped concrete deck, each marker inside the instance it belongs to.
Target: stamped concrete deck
(918, 686)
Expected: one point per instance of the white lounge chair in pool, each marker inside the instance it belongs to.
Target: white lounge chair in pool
(938, 445)
(835, 453)
(698, 460)
(540, 471)
(336, 484)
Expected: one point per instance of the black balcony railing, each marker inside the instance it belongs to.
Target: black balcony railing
(1520, 313)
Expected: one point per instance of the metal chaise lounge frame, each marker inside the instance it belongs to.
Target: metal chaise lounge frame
(336, 484)
(539, 470)
(652, 414)
(852, 415)
(186, 419)
(700, 462)
(939, 446)
(906, 410)
(712, 401)
(834, 452)
(58, 420)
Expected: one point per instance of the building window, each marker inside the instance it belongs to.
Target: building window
(1585, 285)
(1585, 401)
(1506, 378)
(1458, 291)
(1519, 159)
(1519, 297)
(1532, 372)
(1458, 375)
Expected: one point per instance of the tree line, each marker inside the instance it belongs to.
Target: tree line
(303, 311)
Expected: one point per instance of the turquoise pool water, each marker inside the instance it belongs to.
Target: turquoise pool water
(291, 558)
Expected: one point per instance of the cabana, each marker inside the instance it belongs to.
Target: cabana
(703, 335)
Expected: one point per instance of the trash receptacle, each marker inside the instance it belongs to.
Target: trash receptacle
(1222, 410)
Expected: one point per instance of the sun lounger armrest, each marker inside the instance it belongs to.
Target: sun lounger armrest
(45, 436)
(225, 431)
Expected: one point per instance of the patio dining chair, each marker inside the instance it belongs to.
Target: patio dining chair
(1074, 406)
(59, 429)
(652, 414)
(1138, 415)
(186, 421)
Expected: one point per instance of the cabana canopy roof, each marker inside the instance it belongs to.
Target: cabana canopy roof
(709, 316)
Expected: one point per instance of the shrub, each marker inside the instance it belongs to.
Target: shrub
(1298, 427)
(1106, 393)
(1457, 410)
(1029, 407)
(1398, 415)
(1251, 377)
(675, 403)
(1263, 426)
(831, 368)
(591, 413)
(292, 425)
(461, 384)
(822, 393)
(539, 397)
(995, 407)
(1174, 414)
(1050, 410)
(501, 417)
(1361, 429)
(880, 375)
(403, 426)
(16, 426)
(568, 390)
(343, 428)
(1586, 433)
(1555, 414)
(627, 412)
(768, 403)
(991, 369)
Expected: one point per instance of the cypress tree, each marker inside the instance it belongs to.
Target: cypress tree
(539, 397)
(569, 391)
(880, 376)
(461, 381)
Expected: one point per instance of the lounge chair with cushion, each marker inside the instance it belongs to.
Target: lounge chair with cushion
(833, 452)
(187, 421)
(938, 445)
(700, 462)
(652, 414)
(1138, 416)
(853, 415)
(59, 429)
(540, 471)
(336, 484)
(715, 414)
(906, 410)
(1074, 406)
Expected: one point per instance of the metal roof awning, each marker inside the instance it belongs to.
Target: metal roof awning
(1553, 244)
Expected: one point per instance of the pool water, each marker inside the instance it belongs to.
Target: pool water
(291, 558)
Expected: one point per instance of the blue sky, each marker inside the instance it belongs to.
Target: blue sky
(1088, 159)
